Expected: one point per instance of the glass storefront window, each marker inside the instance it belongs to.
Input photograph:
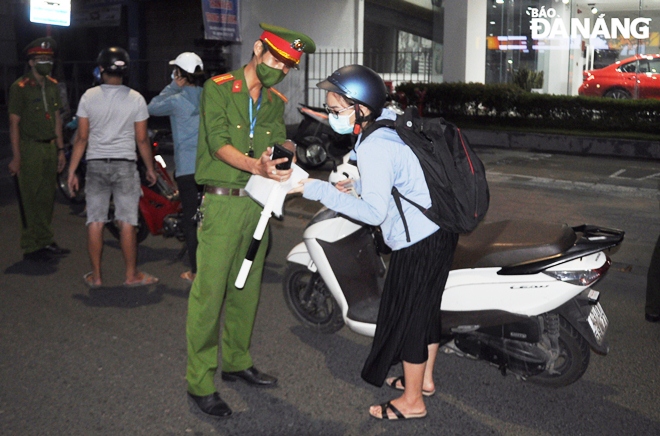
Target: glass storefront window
(571, 41)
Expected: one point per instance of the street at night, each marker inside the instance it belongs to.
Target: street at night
(111, 361)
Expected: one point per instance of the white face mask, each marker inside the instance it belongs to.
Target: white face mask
(341, 124)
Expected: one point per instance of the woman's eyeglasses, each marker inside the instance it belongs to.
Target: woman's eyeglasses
(335, 112)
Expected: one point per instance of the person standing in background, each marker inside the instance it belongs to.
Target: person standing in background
(112, 118)
(35, 131)
(180, 101)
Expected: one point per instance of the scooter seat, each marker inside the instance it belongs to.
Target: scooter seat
(508, 243)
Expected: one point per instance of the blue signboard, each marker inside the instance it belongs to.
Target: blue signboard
(221, 20)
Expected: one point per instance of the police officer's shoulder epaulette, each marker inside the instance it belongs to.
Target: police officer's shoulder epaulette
(52, 80)
(24, 81)
(279, 94)
(222, 78)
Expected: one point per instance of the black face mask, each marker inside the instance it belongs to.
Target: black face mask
(44, 68)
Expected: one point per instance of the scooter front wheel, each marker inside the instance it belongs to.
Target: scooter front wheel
(309, 299)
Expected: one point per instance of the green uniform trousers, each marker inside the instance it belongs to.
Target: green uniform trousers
(37, 182)
(224, 237)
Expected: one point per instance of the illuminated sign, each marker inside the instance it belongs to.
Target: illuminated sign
(543, 28)
(57, 12)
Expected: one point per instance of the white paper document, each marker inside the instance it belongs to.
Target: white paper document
(261, 188)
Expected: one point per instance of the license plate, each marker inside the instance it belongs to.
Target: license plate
(598, 322)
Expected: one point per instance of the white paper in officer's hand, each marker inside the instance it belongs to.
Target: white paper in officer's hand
(260, 188)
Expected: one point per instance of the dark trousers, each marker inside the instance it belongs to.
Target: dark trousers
(188, 193)
(653, 282)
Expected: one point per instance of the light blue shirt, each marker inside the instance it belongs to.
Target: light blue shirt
(383, 160)
(182, 106)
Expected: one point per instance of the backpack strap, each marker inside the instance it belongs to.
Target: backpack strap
(375, 126)
(397, 199)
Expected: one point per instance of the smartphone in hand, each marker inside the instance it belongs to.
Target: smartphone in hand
(279, 152)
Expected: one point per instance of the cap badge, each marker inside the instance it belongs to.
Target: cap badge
(297, 45)
(45, 44)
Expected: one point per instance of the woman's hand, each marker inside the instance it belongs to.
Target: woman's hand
(345, 185)
(301, 186)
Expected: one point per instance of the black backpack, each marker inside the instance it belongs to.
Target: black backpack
(455, 176)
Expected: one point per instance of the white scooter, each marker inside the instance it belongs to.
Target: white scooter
(518, 295)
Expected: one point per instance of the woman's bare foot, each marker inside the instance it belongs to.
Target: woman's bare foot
(428, 388)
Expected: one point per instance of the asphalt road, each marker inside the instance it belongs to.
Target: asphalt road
(111, 361)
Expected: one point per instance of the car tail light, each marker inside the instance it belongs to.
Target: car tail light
(583, 277)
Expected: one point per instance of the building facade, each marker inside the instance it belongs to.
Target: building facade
(486, 41)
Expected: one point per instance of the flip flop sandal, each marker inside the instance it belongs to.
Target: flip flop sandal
(89, 280)
(395, 385)
(384, 415)
(147, 279)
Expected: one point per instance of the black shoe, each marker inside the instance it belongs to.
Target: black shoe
(251, 376)
(652, 317)
(56, 250)
(39, 256)
(211, 405)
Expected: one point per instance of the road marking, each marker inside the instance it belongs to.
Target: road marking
(616, 175)
(568, 185)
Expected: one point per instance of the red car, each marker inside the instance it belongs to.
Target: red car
(634, 77)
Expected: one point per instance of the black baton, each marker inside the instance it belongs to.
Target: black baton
(20, 200)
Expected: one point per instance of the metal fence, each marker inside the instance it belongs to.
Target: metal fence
(393, 67)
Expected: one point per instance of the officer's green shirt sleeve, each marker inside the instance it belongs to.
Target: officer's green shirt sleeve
(16, 100)
(214, 117)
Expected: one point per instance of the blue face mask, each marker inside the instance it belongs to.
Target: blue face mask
(341, 124)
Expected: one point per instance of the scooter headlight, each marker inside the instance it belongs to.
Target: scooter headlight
(582, 277)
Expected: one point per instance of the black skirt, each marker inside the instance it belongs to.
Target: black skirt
(409, 313)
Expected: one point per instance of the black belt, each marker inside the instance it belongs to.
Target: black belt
(108, 160)
(44, 141)
(234, 192)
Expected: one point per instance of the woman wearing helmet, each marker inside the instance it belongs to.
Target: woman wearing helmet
(408, 326)
(180, 101)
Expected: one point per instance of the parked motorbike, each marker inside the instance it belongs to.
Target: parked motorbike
(317, 142)
(519, 294)
(160, 210)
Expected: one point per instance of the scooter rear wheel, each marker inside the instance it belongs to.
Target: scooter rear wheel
(573, 360)
(309, 299)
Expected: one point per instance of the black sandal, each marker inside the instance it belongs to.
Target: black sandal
(397, 413)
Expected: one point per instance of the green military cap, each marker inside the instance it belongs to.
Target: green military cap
(286, 45)
(41, 46)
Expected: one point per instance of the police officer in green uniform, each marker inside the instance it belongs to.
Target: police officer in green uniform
(241, 117)
(35, 130)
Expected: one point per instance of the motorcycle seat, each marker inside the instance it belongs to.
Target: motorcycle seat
(511, 242)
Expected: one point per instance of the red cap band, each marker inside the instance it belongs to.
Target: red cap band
(283, 49)
(40, 51)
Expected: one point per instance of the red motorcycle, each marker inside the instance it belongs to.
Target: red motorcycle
(159, 209)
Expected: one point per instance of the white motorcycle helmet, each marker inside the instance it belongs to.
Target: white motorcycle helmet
(188, 62)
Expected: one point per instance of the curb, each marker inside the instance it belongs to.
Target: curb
(577, 145)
